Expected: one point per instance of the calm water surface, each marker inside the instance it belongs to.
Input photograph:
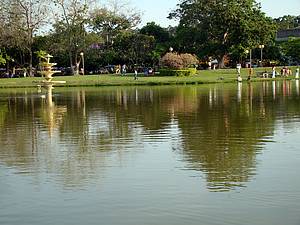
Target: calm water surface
(212, 155)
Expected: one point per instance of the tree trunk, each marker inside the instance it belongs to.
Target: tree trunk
(7, 66)
(222, 62)
(30, 63)
(71, 61)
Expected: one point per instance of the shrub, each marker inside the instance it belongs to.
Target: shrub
(176, 61)
(193, 71)
(189, 60)
(177, 73)
(174, 64)
(171, 61)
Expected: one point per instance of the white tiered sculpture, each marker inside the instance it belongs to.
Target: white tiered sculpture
(48, 72)
(52, 114)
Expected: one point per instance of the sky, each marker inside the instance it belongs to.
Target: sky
(158, 10)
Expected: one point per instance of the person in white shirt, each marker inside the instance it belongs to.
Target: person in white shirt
(273, 72)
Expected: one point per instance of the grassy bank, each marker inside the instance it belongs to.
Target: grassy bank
(202, 77)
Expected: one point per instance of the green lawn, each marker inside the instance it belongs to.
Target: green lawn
(203, 77)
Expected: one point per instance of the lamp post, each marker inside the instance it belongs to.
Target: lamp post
(250, 56)
(82, 58)
(261, 54)
(171, 49)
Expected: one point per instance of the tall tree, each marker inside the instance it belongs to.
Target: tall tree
(291, 50)
(111, 20)
(134, 48)
(218, 26)
(23, 19)
(160, 34)
(70, 27)
(162, 40)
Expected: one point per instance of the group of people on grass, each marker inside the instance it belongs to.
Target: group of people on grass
(284, 72)
(118, 69)
(121, 69)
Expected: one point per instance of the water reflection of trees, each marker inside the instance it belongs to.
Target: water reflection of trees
(222, 127)
(223, 137)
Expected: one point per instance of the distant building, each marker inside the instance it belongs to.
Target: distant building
(284, 35)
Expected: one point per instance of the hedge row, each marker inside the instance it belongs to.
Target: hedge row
(178, 73)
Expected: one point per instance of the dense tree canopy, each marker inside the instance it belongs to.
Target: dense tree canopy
(291, 49)
(162, 37)
(109, 22)
(134, 48)
(217, 26)
(160, 34)
(287, 22)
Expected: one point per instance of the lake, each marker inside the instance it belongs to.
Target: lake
(220, 154)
